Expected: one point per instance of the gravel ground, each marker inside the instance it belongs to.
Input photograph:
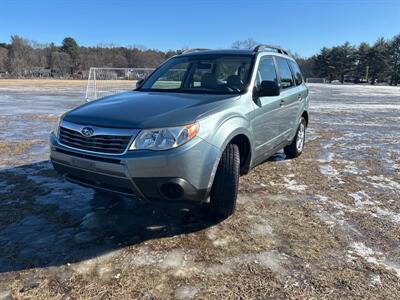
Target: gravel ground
(324, 225)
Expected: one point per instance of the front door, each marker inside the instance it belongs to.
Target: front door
(267, 120)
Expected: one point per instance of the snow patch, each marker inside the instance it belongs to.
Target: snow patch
(328, 170)
(384, 182)
(361, 199)
(291, 184)
(373, 257)
(185, 292)
(375, 280)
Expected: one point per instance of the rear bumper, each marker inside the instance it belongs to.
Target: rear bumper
(184, 173)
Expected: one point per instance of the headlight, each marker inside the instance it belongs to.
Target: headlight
(56, 128)
(164, 138)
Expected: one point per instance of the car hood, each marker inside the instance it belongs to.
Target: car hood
(146, 109)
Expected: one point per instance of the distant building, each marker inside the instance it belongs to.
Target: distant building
(3, 73)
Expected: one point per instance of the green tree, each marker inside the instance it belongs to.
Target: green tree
(342, 60)
(394, 60)
(362, 62)
(322, 64)
(71, 47)
(379, 60)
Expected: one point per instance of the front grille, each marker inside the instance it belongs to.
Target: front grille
(114, 144)
(87, 156)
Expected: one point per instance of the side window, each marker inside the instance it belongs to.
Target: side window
(298, 78)
(266, 71)
(285, 73)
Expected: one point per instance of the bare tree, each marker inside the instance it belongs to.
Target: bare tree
(20, 57)
(246, 44)
(61, 64)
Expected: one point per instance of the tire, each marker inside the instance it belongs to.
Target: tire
(226, 182)
(297, 146)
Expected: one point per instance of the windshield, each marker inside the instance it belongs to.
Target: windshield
(216, 74)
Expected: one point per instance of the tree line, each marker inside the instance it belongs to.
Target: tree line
(25, 59)
(364, 63)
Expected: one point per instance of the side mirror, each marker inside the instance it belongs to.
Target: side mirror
(139, 83)
(268, 89)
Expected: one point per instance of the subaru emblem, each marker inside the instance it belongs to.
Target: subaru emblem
(87, 131)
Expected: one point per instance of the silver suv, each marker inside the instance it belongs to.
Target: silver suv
(189, 130)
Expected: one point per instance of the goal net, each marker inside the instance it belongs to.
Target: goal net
(316, 80)
(108, 81)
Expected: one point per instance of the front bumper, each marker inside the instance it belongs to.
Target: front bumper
(183, 173)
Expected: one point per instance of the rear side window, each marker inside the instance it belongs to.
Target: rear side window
(266, 70)
(285, 73)
(298, 78)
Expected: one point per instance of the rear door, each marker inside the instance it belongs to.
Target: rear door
(301, 90)
(289, 94)
(266, 123)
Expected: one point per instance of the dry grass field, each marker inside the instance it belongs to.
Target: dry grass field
(322, 226)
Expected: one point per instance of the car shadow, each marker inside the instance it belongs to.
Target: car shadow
(279, 156)
(47, 221)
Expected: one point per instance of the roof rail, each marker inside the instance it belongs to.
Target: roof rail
(262, 47)
(192, 50)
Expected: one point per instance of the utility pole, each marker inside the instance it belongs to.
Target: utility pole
(366, 73)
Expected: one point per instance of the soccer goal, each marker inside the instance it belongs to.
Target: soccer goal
(108, 81)
(316, 80)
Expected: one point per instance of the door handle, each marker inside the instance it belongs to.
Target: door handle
(299, 97)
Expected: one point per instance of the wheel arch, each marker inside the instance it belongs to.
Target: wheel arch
(305, 116)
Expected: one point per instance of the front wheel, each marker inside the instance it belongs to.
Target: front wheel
(226, 182)
(296, 147)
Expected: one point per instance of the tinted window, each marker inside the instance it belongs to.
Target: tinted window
(298, 78)
(266, 70)
(284, 73)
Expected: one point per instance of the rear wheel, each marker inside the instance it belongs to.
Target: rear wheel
(296, 147)
(226, 182)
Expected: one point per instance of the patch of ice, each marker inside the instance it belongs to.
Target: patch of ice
(262, 228)
(214, 234)
(272, 260)
(6, 295)
(143, 257)
(328, 170)
(352, 169)
(328, 219)
(218, 269)
(361, 199)
(375, 280)
(185, 292)
(291, 184)
(321, 198)
(173, 259)
(90, 265)
(373, 257)
(384, 182)
(326, 157)
(383, 212)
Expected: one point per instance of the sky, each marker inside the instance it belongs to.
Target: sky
(303, 26)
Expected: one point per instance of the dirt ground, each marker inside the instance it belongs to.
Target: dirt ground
(322, 226)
